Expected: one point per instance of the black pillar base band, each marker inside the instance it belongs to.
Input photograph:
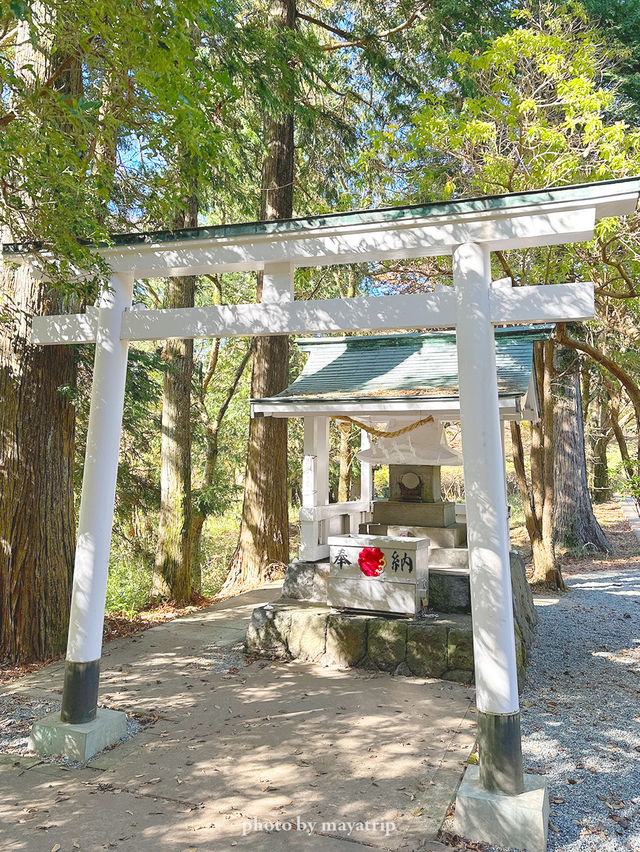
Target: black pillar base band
(500, 750)
(80, 692)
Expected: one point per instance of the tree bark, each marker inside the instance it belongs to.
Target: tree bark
(37, 433)
(601, 484)
(172, 571)
(575, 525)
(263, 542)
(538, 496)
(37, 523)
(346, 457)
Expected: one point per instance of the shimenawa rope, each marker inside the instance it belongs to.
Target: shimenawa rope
(380, 433)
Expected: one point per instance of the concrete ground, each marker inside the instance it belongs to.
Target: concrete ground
(325, 758)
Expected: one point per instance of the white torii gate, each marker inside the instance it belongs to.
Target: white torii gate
(469, 231)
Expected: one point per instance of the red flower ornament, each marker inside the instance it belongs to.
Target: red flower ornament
(371, 561)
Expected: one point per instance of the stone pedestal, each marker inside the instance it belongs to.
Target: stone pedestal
(52, 737)
(441, 514)
(513, 822)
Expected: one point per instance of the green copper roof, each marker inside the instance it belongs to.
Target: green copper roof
(405, 366)
(358, 217)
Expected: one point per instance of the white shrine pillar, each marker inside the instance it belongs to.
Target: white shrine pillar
(503, 426)
(490, 575)
(366, 469)
(315, 486)
(84, 647)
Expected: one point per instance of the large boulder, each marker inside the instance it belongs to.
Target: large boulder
(524, 610)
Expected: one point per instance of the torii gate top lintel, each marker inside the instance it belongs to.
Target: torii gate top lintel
(514, 220)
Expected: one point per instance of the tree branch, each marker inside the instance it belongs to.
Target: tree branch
(353, 40)
(46, 87)
(331, 29)
(562, 336)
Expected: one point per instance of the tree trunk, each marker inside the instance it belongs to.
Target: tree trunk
(172, 571)
(601, 484)
(211, 429)
(538, 497)
(625, 378)
(544, 563)
(586, 394)
(37, 523)
(346, 457)
(37, 433)
(263, 542)
(575, 525)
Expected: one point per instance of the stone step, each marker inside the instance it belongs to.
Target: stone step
(453, 536)
(372, 529)
(449, 557)
(422, 514)
(439, 537)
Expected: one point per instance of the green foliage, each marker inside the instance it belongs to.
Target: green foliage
(626, 480)
(129, 582)
(534, 114)
(620, 19)
(93, 113)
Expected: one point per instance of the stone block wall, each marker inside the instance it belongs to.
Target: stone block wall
(439, 647)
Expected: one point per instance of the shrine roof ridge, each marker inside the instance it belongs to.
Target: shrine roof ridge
(534, 332)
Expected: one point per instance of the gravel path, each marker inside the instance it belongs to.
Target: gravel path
(581, 712)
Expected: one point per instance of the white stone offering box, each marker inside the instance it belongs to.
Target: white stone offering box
(378, 573)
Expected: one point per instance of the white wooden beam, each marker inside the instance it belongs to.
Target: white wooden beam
(333, 510)
(64, 328)
(439, 409)
(499, 230)
(551, 303)
(361, 313)
(548, 303)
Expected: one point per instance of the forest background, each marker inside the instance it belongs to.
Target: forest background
(124, 115)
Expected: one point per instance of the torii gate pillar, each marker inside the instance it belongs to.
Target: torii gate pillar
(489, 570)
(492, 804)
(81, 730)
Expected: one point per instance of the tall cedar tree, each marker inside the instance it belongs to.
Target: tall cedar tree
(263, 543)
(574, 523)
(172, 571)
(37, 538)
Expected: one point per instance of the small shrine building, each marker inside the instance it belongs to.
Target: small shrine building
(389, 383)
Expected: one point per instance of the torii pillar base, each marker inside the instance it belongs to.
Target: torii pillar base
(513, 822)
(51, 737)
